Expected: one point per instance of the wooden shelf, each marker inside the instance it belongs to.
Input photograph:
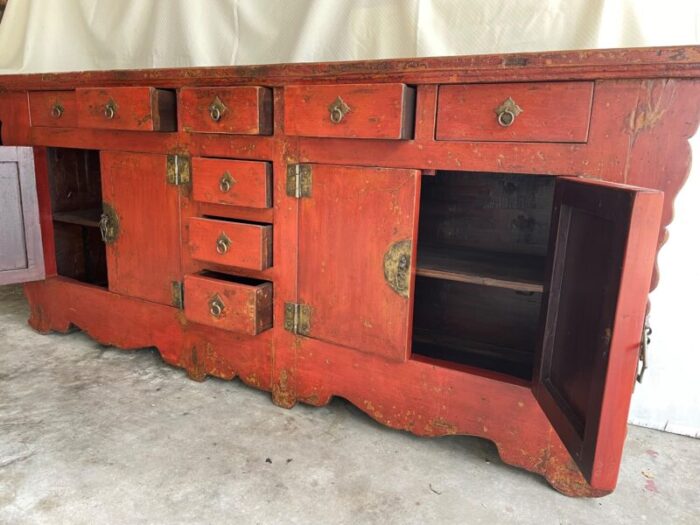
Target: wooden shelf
(512, 361)
(88, 217)
(523, 273)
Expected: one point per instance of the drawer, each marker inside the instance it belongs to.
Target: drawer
(53, 108)
(233, 182)
(230, 303)
(245, 110)
(127, 108)
(230, 243)
(524, 112)
(363, 111)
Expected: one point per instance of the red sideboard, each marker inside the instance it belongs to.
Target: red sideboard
(457, 245)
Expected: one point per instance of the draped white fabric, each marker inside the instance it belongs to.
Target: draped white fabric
(74, 35)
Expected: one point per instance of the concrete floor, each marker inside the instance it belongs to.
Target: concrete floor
(90, 434)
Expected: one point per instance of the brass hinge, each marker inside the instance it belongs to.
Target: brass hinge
(178, 172)
(299, 180)
(297, 318)
(177, 294)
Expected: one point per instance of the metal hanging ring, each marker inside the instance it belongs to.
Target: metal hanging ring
(109, 111)
(336, 115)
(223, 243)
(215, 113)
(506, 118)
(57, 111)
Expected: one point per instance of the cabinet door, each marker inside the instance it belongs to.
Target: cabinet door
(602, 251)
(143, 259)
(356, 253)
(21, 253)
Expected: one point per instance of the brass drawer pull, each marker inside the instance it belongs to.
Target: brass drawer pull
(223, 243)
(57, 110)
(337, 110)
(110, 110)
(217, 109)
(216, 306)
(507, 112)
(226, 182)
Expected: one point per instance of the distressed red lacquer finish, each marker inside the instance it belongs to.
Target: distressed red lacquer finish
(371, 111)
(233, 182)
(57, 109)
(297, 271)
(524, 112)
(240, 110)
(128, 108)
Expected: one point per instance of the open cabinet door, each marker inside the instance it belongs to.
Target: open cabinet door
(602, 251)
(21, 253)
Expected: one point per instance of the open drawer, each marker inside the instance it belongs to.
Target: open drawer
(231, 303)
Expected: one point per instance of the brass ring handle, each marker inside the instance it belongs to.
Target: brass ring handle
(226, 182)
(507, 112)
(215, 113)
(57, 110)
(337, 110)
(216, 306)
(223, 243)
(336, 115)
(110, 110)
(506, 118)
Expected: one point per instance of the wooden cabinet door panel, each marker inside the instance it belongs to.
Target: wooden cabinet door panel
(21, 253)
(602, 251)
(354, 219)
(144, 260)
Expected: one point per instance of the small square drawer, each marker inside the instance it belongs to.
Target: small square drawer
(127, 108)
(230, 243)
(245, 110)
(522, 112)
(231, 303)
(362, 111)
(53, 109)
(232, 182)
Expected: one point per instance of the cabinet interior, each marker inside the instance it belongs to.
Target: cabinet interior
(76, 206)
(482, 247)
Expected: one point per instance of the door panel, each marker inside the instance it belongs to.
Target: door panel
(355, 220)
(602, 251)
(144, 260)
(21, 253)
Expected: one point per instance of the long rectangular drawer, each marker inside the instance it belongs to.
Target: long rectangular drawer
(231, 243)
(53, 109)
(127, 108)
(244, 110)
(230, 303)
(233, 182)
(518, 112)
(363, 111)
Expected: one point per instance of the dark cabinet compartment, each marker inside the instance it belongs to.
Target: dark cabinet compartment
(76, 205)
(482, 246)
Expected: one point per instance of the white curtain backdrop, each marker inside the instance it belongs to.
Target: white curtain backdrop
(75, 35)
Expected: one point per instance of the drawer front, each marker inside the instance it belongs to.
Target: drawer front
(232, 182)
(127, 108)
(244, 307)
(53, 108)
(245, 110)
(229, 243)
(524, 112)
(366, 111)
